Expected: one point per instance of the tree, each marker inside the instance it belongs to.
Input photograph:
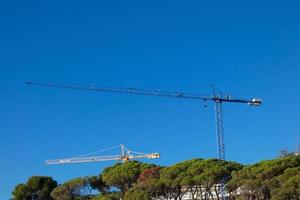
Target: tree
(199, 178)
(108, 196)
(207, 176)
(147, 175)
(289, 188)
(21, 191)
(176, 180)
(75, 189)
(137, 194)
(277, 179)
(97, 183)
(36, 188)
(123, 176)
(258, 181)
(148, 186)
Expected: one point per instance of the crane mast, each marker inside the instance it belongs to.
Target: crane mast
(220, 129)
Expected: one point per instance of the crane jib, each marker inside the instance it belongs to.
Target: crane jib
(137, 91)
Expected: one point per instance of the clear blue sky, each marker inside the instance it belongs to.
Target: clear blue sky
(248, 49)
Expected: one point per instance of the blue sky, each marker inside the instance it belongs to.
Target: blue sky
(248, 49)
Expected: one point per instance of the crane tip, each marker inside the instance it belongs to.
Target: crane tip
(255, 102)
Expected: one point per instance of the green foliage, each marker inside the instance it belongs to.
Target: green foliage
(277, 179)
(109, 196)
(177, 175)
(75, 189)
(21, 191)
(123, 175)
(261, 180)
(137, 194)
(197, 176)
(37, 187)
(289, 185)
(97, 183)
(212, 171)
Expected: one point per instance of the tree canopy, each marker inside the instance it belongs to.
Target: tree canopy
(36, 188)
(197, 177)
(123, 176)
(266, 179)
(75, 189)
(277, 179)
(289, 185)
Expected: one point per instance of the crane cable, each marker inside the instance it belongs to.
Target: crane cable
(98, 151)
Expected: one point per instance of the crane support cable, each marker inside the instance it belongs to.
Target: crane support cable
(98, 151)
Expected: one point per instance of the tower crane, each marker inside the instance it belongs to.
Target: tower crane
(125, 156)
(218, 99)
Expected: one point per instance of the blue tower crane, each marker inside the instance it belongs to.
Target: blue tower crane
(217, 99)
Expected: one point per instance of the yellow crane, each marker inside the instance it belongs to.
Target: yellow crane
(125, 156)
